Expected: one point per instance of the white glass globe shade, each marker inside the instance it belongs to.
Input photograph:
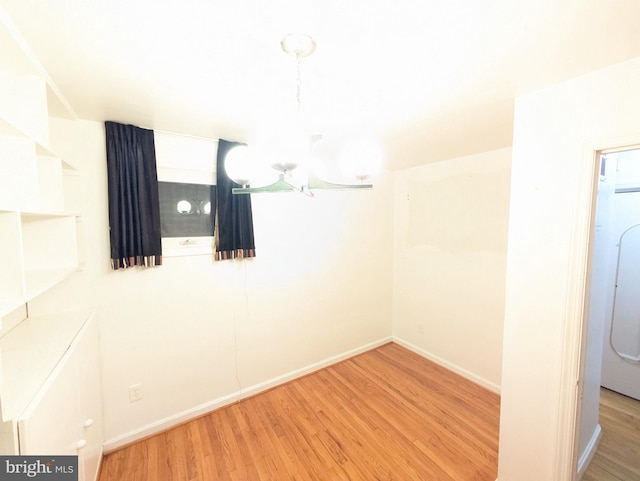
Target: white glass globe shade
(324, 160)
(237, 164)
(361, 159)
(287, 148)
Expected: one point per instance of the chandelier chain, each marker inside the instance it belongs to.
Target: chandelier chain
(298, 81)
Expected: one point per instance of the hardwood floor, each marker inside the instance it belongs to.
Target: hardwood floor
(387, 414)
(618, 455)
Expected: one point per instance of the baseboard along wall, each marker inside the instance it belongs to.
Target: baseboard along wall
(491, 386)
(589, 451)
(164, 424)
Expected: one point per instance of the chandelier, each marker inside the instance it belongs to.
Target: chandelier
(293, 159)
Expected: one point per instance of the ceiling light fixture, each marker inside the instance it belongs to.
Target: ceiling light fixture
(298, 158)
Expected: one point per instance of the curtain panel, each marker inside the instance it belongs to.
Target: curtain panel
(234, 225)
(134, 208)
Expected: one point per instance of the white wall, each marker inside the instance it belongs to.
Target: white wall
(450, 262)
(198, 333)
(557, 131)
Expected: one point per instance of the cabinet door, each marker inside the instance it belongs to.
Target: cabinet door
(9, 438)
(51, 423)
(90, 396)
(65, 417)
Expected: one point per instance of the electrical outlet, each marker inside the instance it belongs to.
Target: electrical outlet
(135, 392)
(420, 328)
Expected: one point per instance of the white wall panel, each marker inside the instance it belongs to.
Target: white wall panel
(450, 262)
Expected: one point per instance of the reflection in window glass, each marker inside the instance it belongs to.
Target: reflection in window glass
(186, 209)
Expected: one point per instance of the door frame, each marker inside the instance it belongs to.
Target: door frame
(578, 302)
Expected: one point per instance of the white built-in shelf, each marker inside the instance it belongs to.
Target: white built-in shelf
(40, 193)
(37, 251)
(39, 281)
(8, 128)
(28, 355)
(17, 56)
(40, 211)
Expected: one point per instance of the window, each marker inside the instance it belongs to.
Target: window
(187, 213)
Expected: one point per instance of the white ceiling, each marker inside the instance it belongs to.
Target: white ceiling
(434, 79)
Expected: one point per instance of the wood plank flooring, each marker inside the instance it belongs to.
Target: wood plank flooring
(387, 414)
(618, 455)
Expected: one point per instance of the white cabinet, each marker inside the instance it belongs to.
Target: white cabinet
(90, 404)
(38, 189)
(51, 389)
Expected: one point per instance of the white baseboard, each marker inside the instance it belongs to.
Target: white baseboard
(96, 475)
(589, 451)
(161, 425)
(491, 386)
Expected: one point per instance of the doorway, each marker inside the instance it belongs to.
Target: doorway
(612, 346)
(621, 346)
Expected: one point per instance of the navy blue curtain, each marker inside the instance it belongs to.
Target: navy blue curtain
(134, 207)
(234, 223)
